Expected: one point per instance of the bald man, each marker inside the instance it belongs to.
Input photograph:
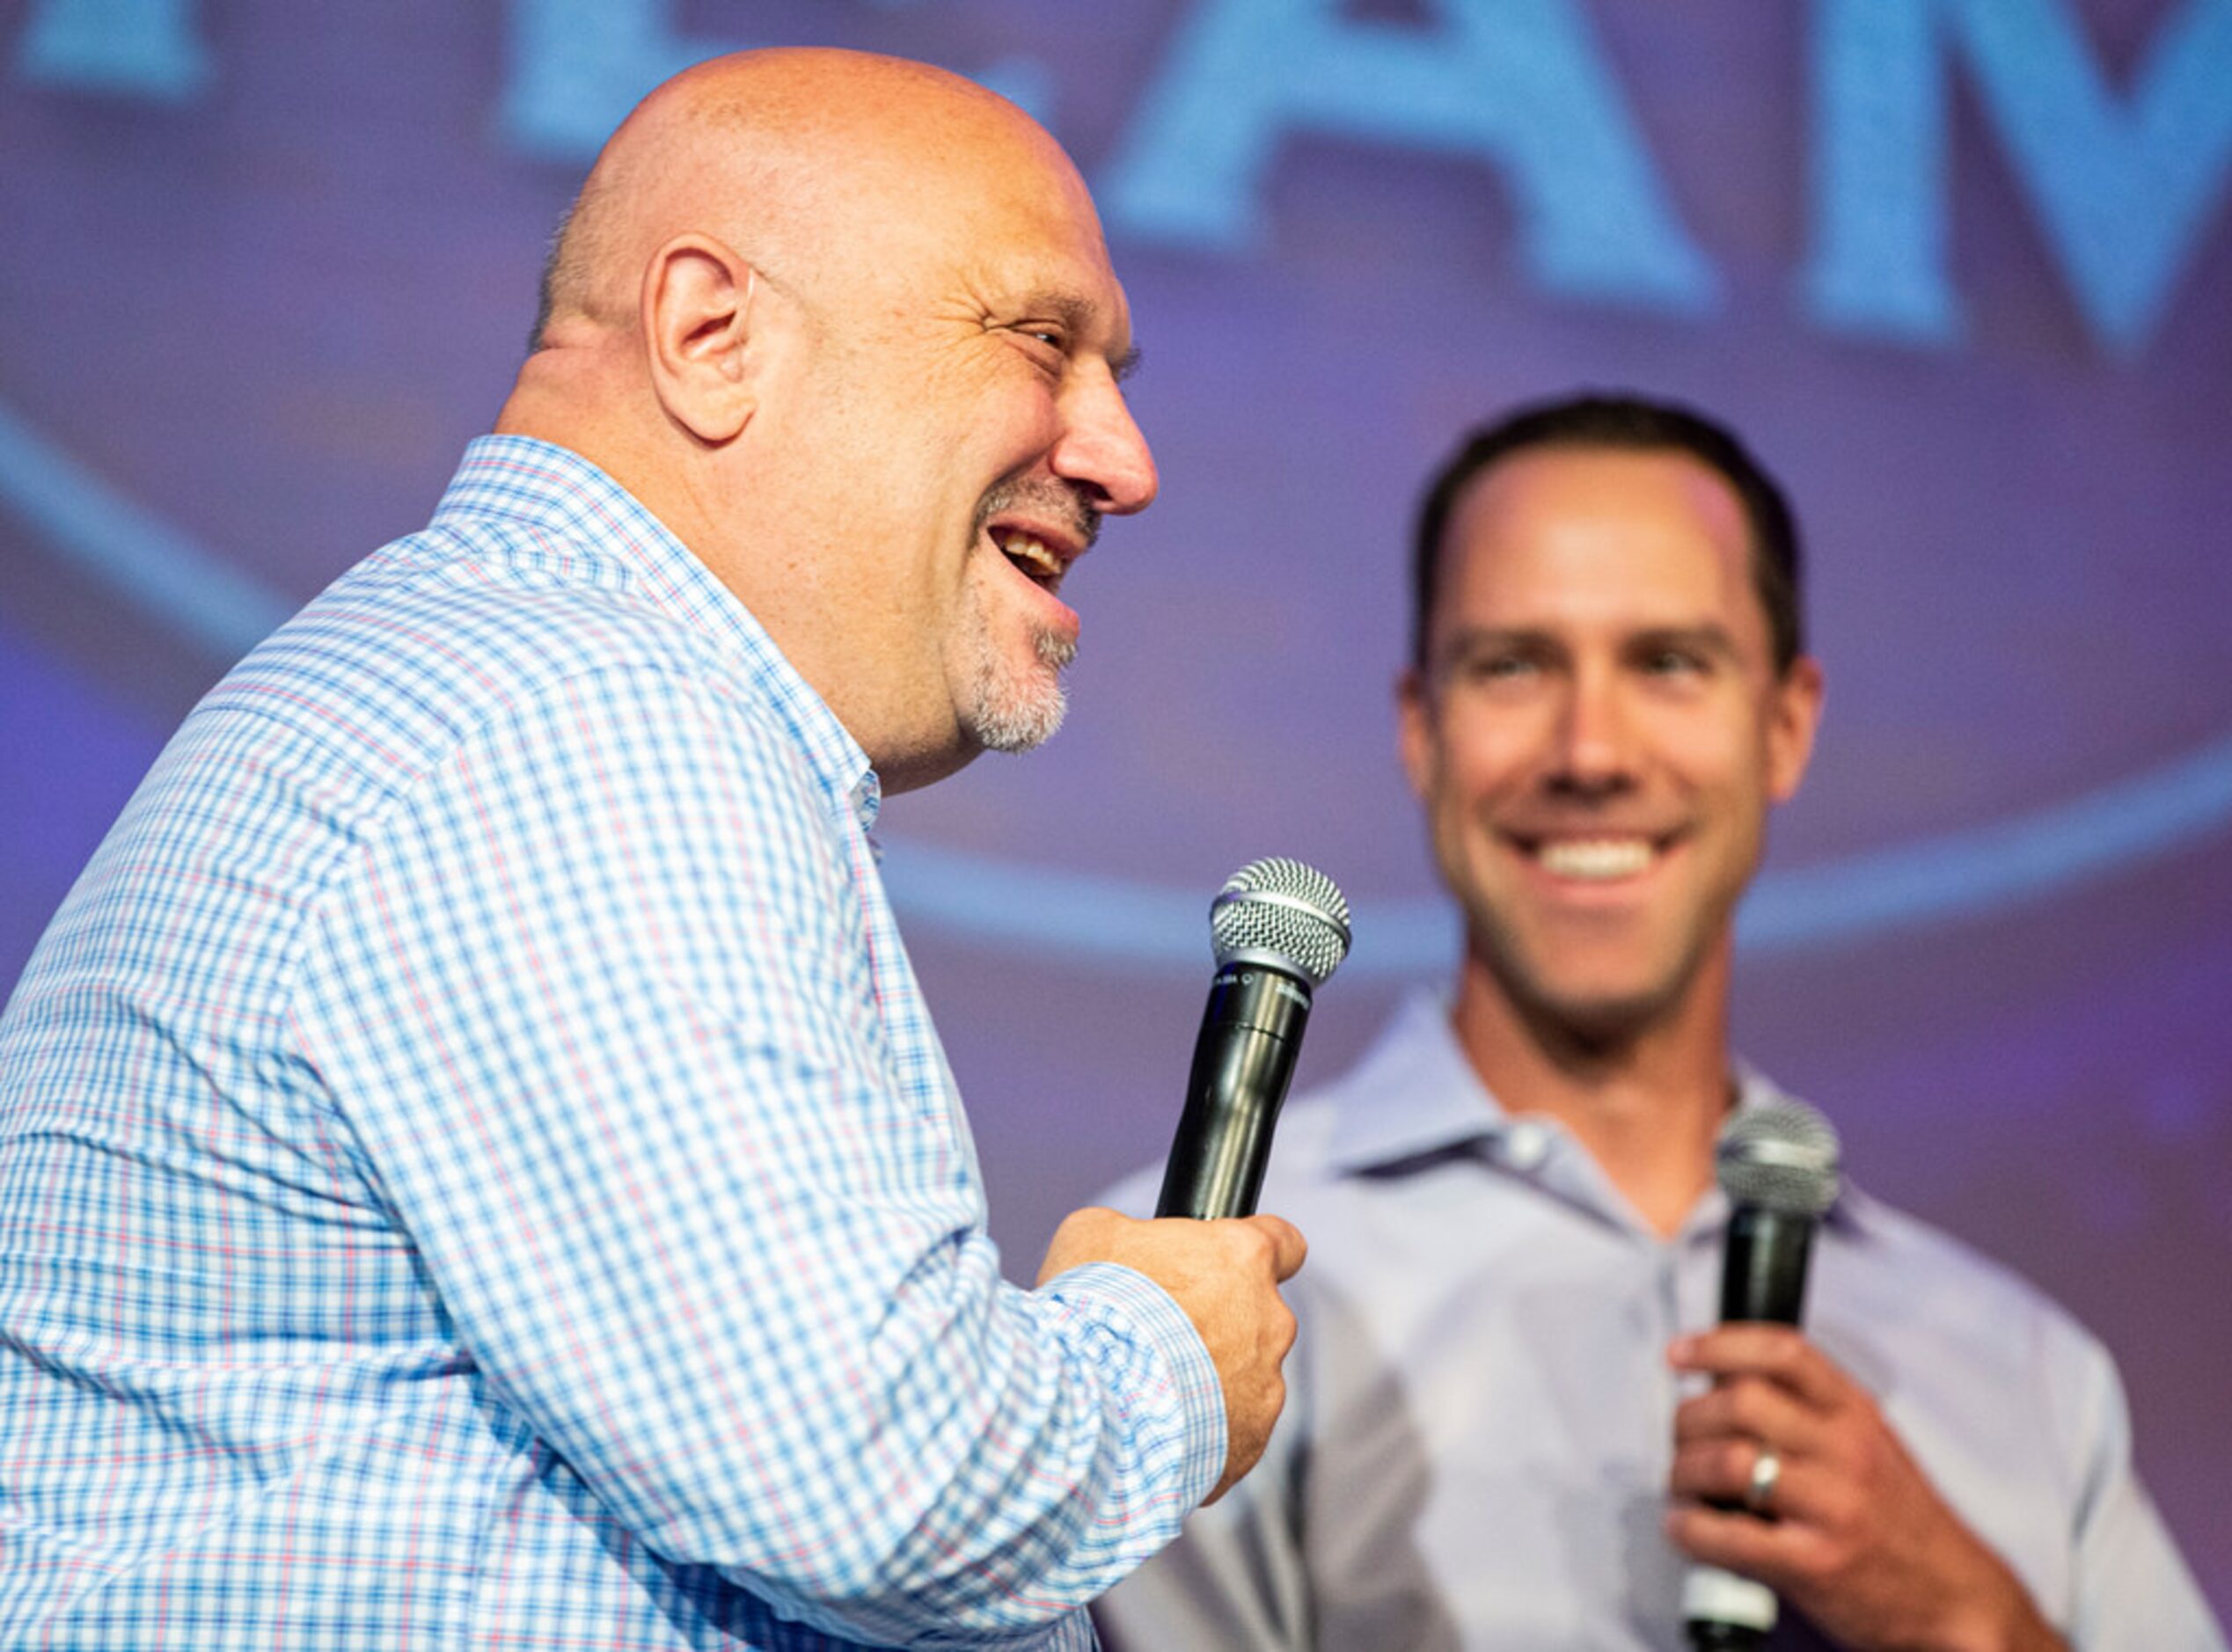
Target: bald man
(476, 1169)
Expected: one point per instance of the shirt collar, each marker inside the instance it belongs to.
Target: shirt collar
(551, 490)
(1415, 1095)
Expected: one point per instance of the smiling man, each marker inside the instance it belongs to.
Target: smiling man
(1498, 1435)
(476, 1169)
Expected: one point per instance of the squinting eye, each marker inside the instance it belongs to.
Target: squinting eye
(1490, 668)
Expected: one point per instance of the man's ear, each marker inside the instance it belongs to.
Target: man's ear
(697, 330)
(1415, 729)
(1793, 716)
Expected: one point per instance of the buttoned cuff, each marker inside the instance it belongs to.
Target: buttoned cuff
(1168, 1370)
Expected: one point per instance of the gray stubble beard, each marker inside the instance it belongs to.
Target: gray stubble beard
(1016, 711)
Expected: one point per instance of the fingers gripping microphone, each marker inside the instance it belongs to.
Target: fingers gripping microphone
(1778, 1166)
(1280, 929)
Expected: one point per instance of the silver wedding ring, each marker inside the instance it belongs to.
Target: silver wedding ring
(1766, 1468)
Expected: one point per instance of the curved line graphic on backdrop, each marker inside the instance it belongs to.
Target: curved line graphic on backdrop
(1964, 874)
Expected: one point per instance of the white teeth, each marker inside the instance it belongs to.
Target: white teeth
(1594, 858)
(1031, 552)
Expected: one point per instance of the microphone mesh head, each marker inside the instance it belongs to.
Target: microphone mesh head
(1782, 1157)
(1282, 913)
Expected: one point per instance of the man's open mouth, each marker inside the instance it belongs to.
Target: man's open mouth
(1031, 556)
(1595, 859)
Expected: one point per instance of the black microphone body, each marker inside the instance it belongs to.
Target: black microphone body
(1763, 1277)
(1778, 1166)
(1243, 1061)
(1763, 1273)
(1278, 929)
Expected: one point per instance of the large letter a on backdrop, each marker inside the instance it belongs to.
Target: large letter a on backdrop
(1518, 84)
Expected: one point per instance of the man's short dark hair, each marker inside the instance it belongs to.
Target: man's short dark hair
(1632, 423)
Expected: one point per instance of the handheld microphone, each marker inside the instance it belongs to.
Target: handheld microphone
(1279, 930)
(1778, 1166)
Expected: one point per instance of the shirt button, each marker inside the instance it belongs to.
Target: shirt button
(1526, 1145)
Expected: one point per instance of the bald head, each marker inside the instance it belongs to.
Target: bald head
(787, 156)
(845, 325)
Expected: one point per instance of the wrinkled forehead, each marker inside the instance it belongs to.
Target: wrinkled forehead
(865, 185)
(1007, 207)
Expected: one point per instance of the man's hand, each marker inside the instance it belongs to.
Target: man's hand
(1225, 1274)
(1860, 1541)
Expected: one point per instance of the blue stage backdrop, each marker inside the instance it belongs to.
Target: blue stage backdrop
(1962, 268)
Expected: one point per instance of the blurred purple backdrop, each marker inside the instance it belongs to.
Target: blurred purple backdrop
(1961, 269)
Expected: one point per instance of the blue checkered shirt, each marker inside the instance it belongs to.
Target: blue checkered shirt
(476, 1169)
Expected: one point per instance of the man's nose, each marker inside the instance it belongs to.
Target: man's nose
(1596, 734)
(1103, 451)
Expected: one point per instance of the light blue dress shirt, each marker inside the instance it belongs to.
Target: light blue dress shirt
(476, 1169)
(1479, 1416)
